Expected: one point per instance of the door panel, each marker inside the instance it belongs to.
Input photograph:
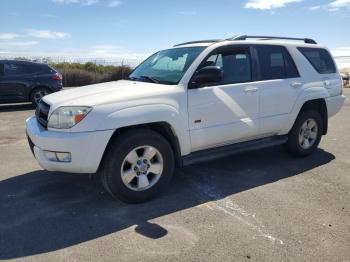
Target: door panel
(222, 114)
(279, 85)
(15, 82)
(277, 98)
(227, 112)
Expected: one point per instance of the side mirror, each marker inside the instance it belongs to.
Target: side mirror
(208, 75)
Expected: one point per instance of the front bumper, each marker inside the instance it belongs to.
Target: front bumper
(86, 148)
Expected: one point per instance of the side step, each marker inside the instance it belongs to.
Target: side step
(214, 153)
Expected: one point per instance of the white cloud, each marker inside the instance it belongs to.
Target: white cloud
(268, 4)
(50, 16)
(103, 52)
(340, 3)
(342, 56)
(341, 51)
(314, 8)
(47, 34)
(8, 36)
(23, 44)
(10, 48)
(187, 13)
(82, 2)
(334, 6)
(114, 3)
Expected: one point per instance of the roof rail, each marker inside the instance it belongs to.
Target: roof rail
(244, 37)
(200, 41)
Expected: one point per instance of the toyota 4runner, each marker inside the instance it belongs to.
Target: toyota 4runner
(193, 102)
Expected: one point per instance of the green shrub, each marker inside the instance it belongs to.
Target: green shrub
(77, 74)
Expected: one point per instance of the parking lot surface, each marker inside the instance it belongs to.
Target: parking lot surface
(258, 206)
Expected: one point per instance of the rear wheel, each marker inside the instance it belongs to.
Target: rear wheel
(37, 94)
(306, 133)
(138, 166)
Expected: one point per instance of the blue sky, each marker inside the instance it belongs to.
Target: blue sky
(136, 28)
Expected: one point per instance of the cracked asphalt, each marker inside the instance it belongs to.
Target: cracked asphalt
(258, 206)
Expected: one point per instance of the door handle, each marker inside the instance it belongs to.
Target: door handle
(296, 84)
(251, 89)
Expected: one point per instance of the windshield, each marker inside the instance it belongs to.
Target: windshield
(167, 66)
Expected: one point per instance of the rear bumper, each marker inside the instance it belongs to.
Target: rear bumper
(86, 148)
(334, 104)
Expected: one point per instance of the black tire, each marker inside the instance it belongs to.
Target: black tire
(119, 148)
(293, 146)
(35, 92)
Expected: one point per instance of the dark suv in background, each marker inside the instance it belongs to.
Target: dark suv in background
(22, 81)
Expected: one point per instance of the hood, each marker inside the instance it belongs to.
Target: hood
(104, 93)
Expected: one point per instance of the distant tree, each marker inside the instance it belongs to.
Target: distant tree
(22, 58)
(91, 67)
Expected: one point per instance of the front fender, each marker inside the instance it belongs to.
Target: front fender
(145, 114)
(308, 94)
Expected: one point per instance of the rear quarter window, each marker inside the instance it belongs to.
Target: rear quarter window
(40, 69)
(320, 59)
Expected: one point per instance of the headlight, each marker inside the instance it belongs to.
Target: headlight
(67, 116)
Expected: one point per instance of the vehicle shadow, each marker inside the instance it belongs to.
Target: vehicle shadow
(16, 107)
(43, 211)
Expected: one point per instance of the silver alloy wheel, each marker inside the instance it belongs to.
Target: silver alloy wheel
(141, 168)
(38, 95)
(308, 133)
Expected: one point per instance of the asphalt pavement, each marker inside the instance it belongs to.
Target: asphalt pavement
(258, 206)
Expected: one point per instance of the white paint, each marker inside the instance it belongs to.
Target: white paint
(226, 205)
(228, 113)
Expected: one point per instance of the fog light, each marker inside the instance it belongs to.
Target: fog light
(58, 156)
(63, 157)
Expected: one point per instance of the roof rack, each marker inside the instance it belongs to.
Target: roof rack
(200, 41)
(245, 37)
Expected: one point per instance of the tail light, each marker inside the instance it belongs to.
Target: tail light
(57, 77)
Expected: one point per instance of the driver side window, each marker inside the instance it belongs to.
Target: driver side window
(235, 66)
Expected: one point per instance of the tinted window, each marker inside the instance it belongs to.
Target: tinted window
(15, 69)
(275, 63)
(320, 59)
(235, 65)
(1, 69)
(38, 68)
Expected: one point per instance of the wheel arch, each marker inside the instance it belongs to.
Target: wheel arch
(163, 128)
(312, 97)
(320, 106)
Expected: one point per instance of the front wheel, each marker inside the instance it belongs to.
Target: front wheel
(306, 133)
(138, 166)
(37, 94)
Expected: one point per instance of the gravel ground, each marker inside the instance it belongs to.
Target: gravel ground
(259, 206)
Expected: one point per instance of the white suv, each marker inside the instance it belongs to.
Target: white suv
(193, 102)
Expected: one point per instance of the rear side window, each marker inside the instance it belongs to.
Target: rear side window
(320, 59)
(275, 63)
(15, 69)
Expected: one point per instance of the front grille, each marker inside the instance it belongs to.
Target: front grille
(42, 112)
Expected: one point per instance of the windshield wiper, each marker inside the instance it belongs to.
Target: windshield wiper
(152, 79)
(132, 78)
